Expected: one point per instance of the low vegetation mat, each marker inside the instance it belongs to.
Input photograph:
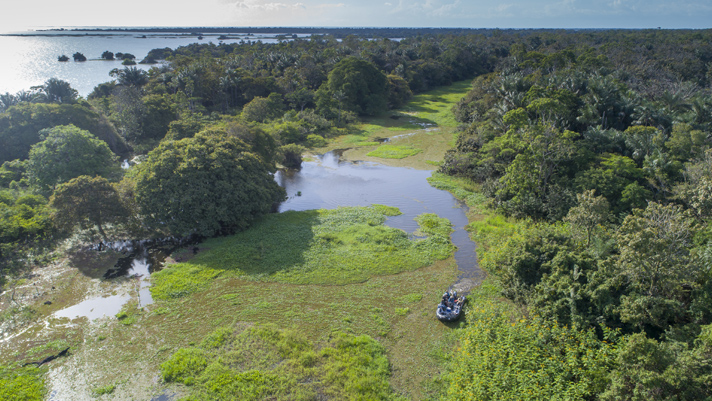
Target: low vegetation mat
(264, 362)
(394, 152)
(340, 246)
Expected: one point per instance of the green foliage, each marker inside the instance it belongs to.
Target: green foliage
(263, 362)
(339, 246)
(291, 155)
(88, 202)
(590, 214)
(208, 184)
(656, 260)
(315, 141)
(184, 366)
(68, 152)
(108, 389)
(159, 112)
(651, 370)
(458, 187)
(23, 218)
(394, 151)
(180, 280)
(20, 126)
(354, 85)
(387, 210)
(398, 91)
(56, 91)
(185, 127)
(21, 383)
(262, 109)
(507, 359)
(126, 318)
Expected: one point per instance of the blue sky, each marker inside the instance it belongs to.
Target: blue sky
(397, 13)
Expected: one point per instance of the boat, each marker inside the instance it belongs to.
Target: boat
(450, 311)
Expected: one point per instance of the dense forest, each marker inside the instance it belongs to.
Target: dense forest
(593, 144)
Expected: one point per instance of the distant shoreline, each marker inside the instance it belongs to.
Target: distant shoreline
(286, 31)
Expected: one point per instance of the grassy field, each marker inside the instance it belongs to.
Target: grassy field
(421, 132)
(321, 279)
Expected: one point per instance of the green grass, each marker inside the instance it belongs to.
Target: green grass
(394, 152)
(341, 246)
(21, 383)
(424, 123)
(264, 362)
(108, 389)
(461, 188)
(435, 105)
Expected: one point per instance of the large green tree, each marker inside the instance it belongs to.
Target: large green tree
(209, 184)
(87, 202)
(68, 152)
(355, 85)
(656, 260)
(20, 126)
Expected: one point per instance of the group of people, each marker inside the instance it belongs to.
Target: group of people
(450, 300)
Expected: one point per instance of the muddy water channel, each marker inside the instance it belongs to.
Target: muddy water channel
(330, 181)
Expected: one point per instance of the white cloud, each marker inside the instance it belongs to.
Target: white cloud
(266, 6)
(327, 6)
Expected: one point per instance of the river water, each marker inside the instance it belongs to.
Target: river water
(329, 182)
(30, 58)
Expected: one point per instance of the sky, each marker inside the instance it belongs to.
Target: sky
(361, 13)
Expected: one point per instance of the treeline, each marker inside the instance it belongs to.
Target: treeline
(601, 149)
(599, 139)
(339, 33)
(205, 129)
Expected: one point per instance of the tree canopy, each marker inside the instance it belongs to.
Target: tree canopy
(20, 126)
(87, 202)
(68, 152)
(208, 184)
(356, 85)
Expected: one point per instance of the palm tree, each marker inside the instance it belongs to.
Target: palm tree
(130, 76)
(55, 91)
(7, 100)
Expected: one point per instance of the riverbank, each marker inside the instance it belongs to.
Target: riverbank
(120, 356)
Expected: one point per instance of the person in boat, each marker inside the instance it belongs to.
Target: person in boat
(446, 297)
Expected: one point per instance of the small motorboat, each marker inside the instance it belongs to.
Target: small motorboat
(450, 307)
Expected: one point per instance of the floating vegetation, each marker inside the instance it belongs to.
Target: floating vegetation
(340, 246)
(394, 151)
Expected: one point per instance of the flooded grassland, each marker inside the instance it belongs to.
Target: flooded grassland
(120, 335)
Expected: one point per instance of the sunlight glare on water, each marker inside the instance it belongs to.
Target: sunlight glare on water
(30, 59)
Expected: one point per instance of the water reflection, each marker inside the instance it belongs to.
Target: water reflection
(95, 308)
(330, 182)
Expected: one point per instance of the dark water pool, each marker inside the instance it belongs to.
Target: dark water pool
(330, 182)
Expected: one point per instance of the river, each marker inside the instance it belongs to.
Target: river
(330, 181)
(30, 58)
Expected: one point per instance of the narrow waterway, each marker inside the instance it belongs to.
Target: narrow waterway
(330, 182)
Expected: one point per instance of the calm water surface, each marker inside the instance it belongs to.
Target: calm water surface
(31, 60)
(330, 182)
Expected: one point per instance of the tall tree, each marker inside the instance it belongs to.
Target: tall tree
(364, 86)
(208, 184)
(56, 91)
(87, 202)
(68, 152)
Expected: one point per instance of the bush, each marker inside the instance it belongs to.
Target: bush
(315, 141)
(184, 366)
(526, 359)
(21, 384)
